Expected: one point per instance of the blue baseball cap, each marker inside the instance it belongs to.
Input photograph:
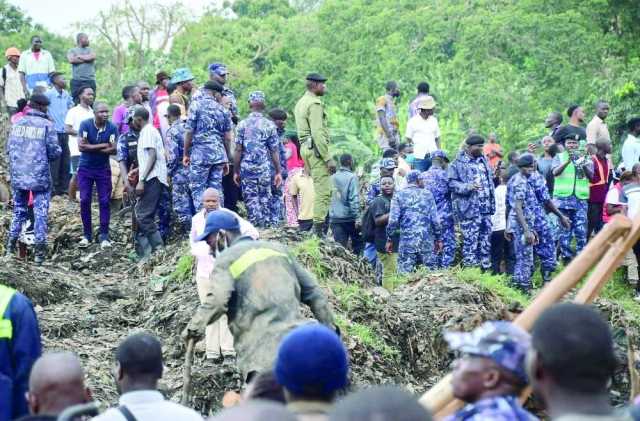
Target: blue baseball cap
(256, 96)
(388, 164)
(219, 220)
(218, 68)
(503, 342)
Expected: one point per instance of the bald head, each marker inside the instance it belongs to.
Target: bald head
(56, 382)
(256, 411)
(211, 199)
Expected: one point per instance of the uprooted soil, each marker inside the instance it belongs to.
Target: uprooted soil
(88, 300)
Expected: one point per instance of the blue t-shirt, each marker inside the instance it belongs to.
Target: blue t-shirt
(95, 136)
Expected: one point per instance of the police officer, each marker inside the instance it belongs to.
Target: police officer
(521, 221)
(32, 145)
(413, 212)
(20, 347)
(435, 179)
(207, 142)
(181, 194)
(218, 73)
(472, 194)
(260, 286)
(311, 124)
(257, 147)
(571, 191)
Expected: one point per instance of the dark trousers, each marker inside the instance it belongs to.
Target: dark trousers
(102, 179)
(231, 191)
(594, 219)
(60, 167)
(77, 85)
(343, 231)
(499, 251)
(305, 225)
(146, 206)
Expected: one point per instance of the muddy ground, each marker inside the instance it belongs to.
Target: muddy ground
(89, 300)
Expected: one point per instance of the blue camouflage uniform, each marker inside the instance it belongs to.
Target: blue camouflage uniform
(181, 194)
(277, 193)
(436, 181)
(520, 189)
(32, 144)
(209, 121)
(546, 247)
(413, 212)
(507, 345)
(473, 209)
(258, 137)
(233, 109)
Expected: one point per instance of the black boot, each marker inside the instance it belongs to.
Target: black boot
(155, 240)
(40, 253)
(546, 276)
(143, 248)
(319, 230)
(12, 247)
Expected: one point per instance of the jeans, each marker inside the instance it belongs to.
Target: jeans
(305, 224)
(145, 209)
(102, 179)
(231, 191)
(60, 167)
(594, 219)
(76, 85)
(343, 231)
(422, 165)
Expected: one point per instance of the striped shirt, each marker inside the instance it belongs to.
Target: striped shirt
(36, 68)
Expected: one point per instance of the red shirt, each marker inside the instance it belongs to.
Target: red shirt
(599, 186)
(293, 162)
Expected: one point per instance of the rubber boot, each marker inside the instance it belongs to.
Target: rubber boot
(143, 247)
(156, 242)
(546, 276)
(40, 253)
(12, 247)
(319, 230)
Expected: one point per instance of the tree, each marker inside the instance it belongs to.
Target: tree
(12, 19)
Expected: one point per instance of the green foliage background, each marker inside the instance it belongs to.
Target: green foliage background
(494, 65)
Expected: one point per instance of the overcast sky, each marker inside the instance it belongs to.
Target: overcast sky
(59, 15)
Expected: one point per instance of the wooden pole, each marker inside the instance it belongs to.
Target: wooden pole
(439, 398)
(186, 374)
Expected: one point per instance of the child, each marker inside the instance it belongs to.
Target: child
(499, 221)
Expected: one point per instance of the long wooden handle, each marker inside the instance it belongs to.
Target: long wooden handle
(440, 396)
(186, 373)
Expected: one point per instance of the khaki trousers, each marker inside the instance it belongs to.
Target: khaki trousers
(321, 183)
(632, 266)
(218, 338)
(117, 182)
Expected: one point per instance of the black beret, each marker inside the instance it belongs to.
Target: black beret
(212, 85)
(316, 77)
(474, 140)
(525, 160)
(39, 99)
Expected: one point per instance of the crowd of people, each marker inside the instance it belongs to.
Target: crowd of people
(182, 158)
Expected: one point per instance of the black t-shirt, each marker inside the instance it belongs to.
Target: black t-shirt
(380, 206)
(563, 132)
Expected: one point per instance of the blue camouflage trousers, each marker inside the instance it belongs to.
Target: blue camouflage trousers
(20, 213)
(476, 241)
(201, 177)
(412, 254)
(256, 193)
(523, 269)
(448, 253)
(546, 247)
(577, 230)
(181, 198)
(276, 205)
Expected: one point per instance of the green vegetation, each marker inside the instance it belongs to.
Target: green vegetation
(496, 284)
(183, 270)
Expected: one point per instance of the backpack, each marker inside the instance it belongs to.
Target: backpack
(368, 226)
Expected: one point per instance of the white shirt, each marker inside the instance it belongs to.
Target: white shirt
(75, 116)
(12, 86)
(201, 250)
(630, 152)
(632, 193)
(149, 405)
(150, 139)
(499, 218)
(423, 134)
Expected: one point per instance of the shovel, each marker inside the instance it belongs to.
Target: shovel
(186, 374)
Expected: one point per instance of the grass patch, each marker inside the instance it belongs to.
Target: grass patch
(498, 284)
(367, 337)
(309, 252)
(183, 269)
(621, 292)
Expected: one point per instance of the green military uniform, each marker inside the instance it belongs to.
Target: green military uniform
(260, 286)
(311, 123)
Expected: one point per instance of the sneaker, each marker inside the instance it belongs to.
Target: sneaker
(105, 244)
(84, 243)
(637, 297)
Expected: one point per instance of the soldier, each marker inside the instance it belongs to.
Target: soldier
(279, 118)
(413, 212)
(571, 191)
(181, 194)
(435, 179)
(32, 145)
(257, 144)
(472, 193)
(260, 286)
(311, 124)
(521, 222)
(207, 142)
(545, 249)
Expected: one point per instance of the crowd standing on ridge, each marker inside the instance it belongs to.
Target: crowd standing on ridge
(182, 158)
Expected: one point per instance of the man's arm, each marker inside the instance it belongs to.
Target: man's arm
(312, 295)
(353, 198)
(560, 168)
(23, 81)
(318, 131)
(74, 58)
(53, 147)
(456, 184)
(528, 235)
(150, 163)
